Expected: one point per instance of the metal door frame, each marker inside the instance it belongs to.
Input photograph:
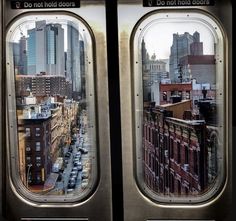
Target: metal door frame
(98, 205)
(137, 206)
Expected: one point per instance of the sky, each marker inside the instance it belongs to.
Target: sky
(159, 37)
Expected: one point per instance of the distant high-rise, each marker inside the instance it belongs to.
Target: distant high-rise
(82, 68)
(73, 68)
(185, 44)
(31, 52)
(16, 55)
(40, 43)
(144, 53)
(22, 55)
(46, 49)
(153, 72)
(55, 57)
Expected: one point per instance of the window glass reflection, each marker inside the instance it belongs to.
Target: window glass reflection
(54, 123)
(180, 108)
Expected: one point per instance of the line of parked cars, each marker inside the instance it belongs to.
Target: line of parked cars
(77, 167)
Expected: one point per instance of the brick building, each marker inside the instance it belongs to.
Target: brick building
(43, 131)
(199, 67)
(37, 145)
(43, 85)
(167, 91)
(177, 154)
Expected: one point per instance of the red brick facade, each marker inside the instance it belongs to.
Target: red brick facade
(168, 90)
(174, 154)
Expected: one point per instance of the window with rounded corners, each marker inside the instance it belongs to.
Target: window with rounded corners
(51, 108)
(180, 106)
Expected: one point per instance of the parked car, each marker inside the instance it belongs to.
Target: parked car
(75, 169)
(66, 161)
(84, 183)
(84, 174)
(67, 155)
(70, 149)
(71, 184)
(83, 150)
(74, 174)
(77, 163)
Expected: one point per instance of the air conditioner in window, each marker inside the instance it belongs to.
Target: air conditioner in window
(186, 167)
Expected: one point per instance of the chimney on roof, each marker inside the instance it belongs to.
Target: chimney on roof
(204, 92)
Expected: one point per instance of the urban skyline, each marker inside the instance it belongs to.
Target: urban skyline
(180, 122)
(54, 139)
(53, 116)
(43, 51)
(160, 42)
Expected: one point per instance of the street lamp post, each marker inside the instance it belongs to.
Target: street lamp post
(27, 176)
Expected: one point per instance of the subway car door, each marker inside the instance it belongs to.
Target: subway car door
(56, 148)
(175, 89)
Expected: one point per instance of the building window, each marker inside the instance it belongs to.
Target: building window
(180, 94)
(178, 153)
(28, 148)
(186, 159)
(38, 164)
(179, 187)
(166, 178)
(38, 159)
(157, 167)
(37, 132)
(37, 145)
(172, 183)
(171, 148)
(28, 160)
(149, 159)
(164, 96)
(161, 155)
(195, 162)
(27, 132)
(187, 94)
(38, 177)
(212, 158)
(165, 142)
(186, 191)
(149, 134)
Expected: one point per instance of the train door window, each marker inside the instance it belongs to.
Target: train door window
(188, 49)
(51, 108)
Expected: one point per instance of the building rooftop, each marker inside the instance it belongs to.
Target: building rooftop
(189, 122)
(37, 116)
(175, 104)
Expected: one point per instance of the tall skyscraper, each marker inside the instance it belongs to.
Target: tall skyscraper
(46, 49)
(185, 44)
(55, 57)
(73, 66)
(41, 49)
(31, 52)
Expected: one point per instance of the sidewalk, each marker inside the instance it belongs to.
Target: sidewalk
(50, 182)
